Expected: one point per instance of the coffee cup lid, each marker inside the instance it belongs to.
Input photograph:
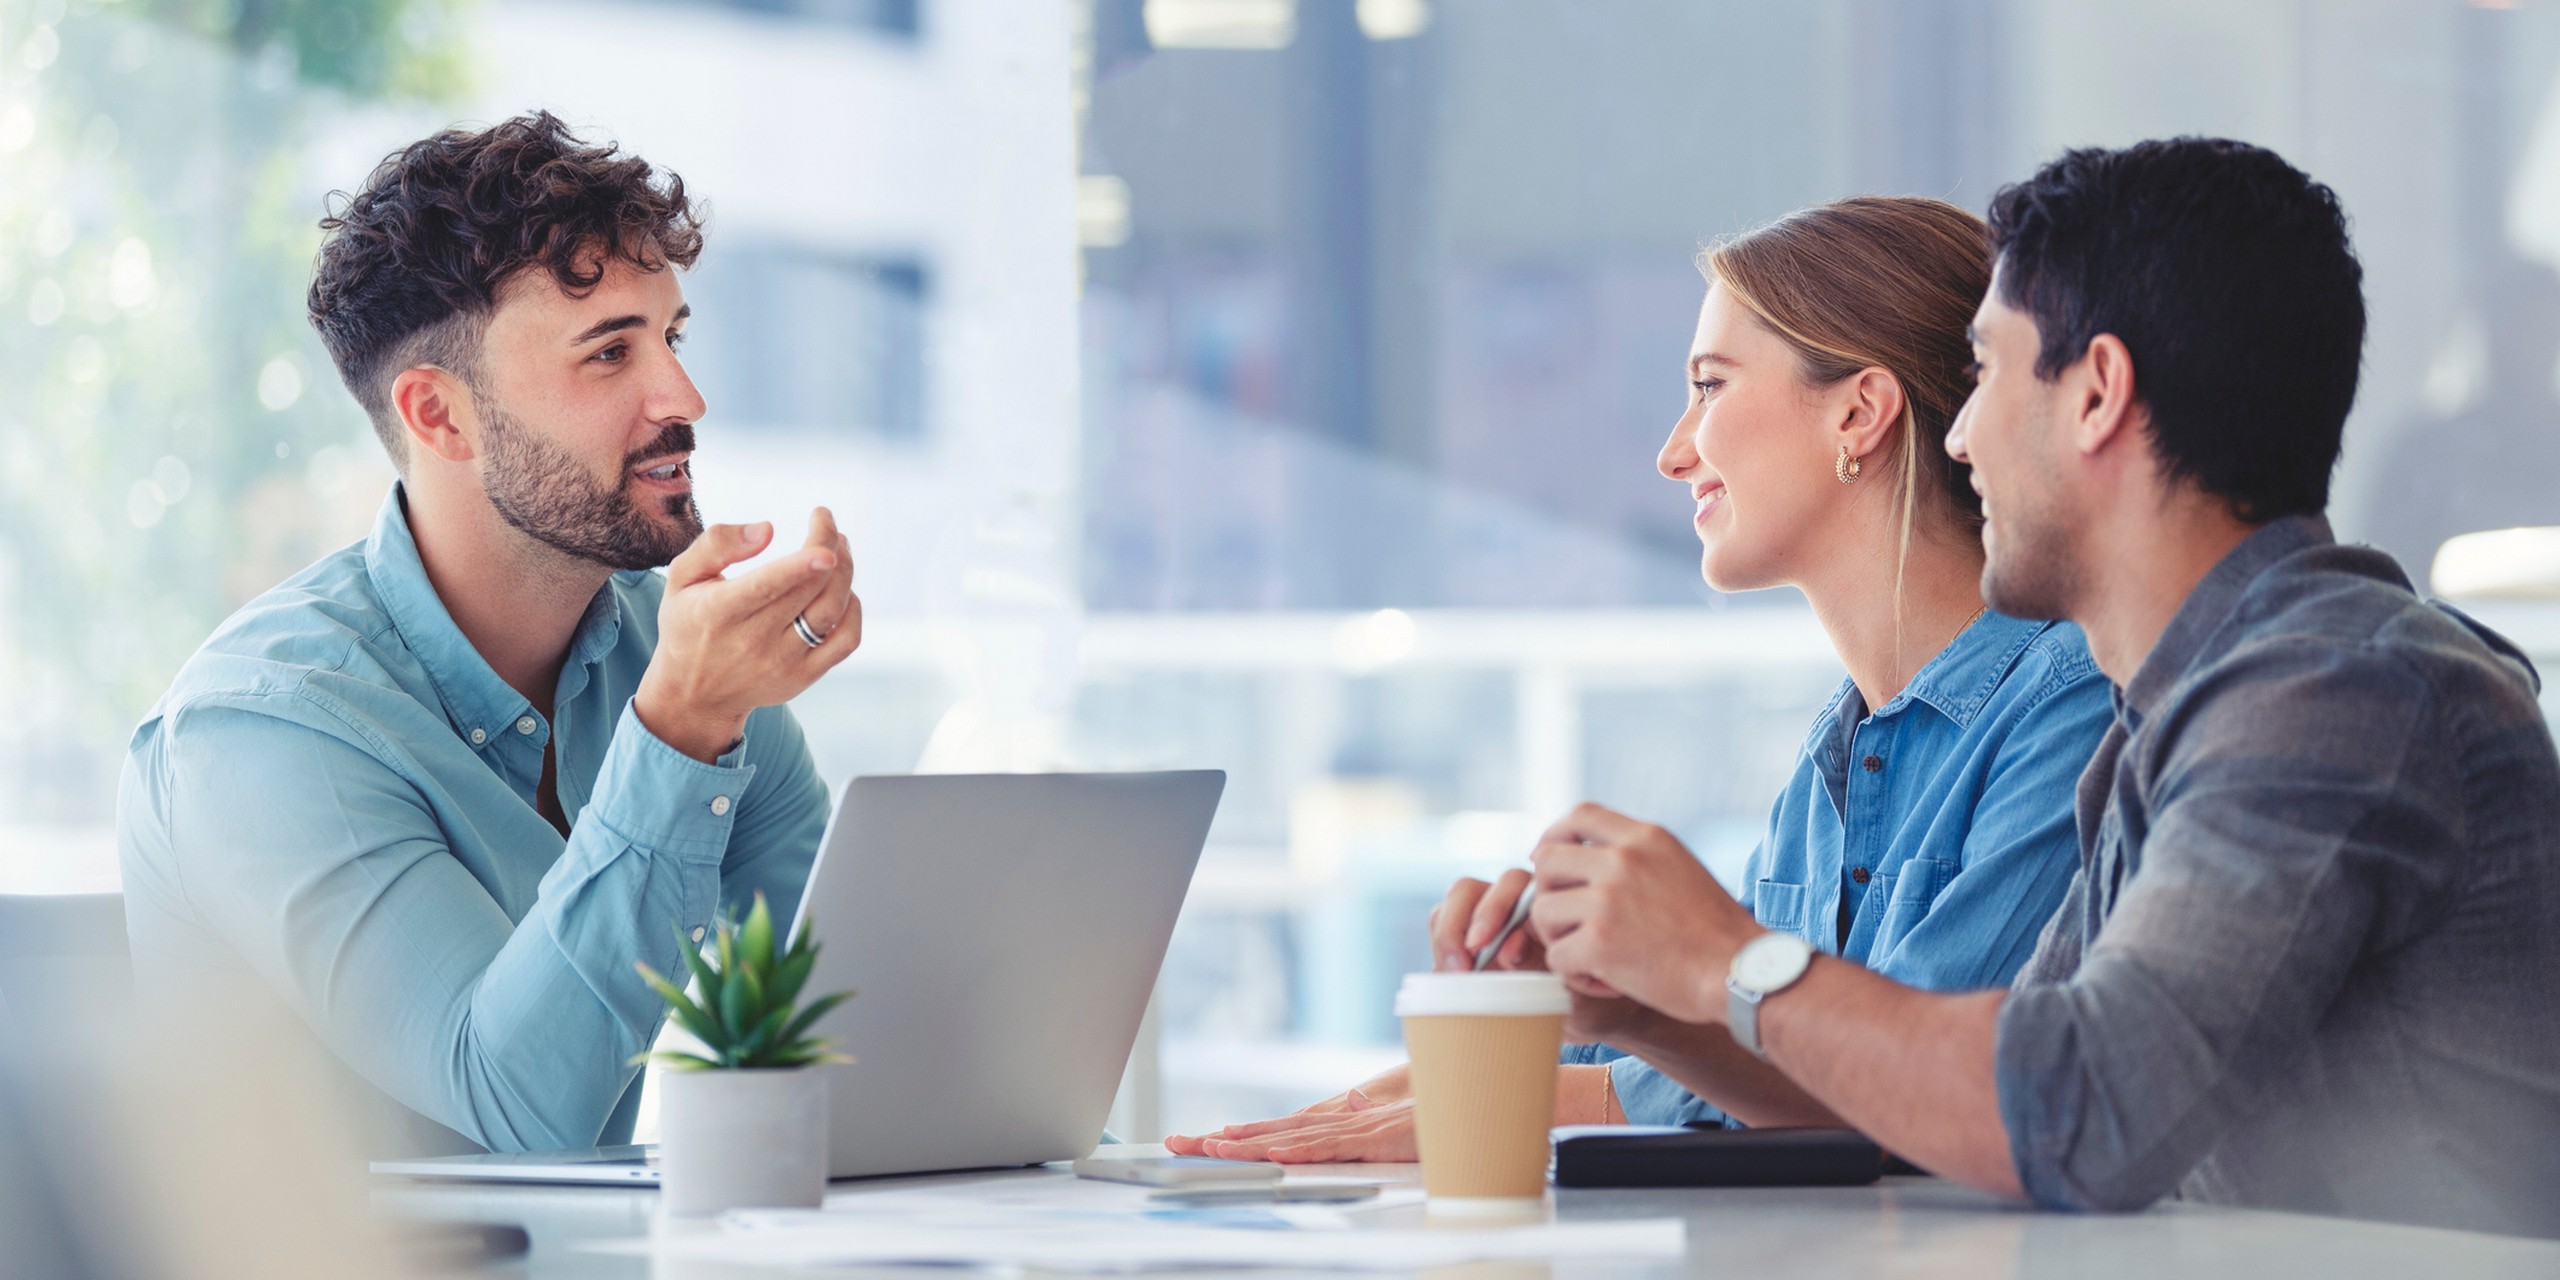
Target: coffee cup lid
(1433, 994)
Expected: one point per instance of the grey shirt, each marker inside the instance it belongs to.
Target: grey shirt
(2311, 959)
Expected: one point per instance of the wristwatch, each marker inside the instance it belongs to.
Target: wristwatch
(1764, 966)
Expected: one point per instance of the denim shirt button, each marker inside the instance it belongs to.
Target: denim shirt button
(1861, 874)
(1873, 763)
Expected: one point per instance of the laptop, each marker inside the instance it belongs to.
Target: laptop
(1004, 931)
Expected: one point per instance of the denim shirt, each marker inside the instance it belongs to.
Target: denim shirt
(2311, 960)
(336, 800)
(1940, 824)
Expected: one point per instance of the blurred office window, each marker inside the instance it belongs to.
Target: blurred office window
(1271, 385)
(810, 342)
(886, 17)
(171, 437)
(1385, 313)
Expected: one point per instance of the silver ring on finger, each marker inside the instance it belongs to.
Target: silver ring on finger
(808, 634)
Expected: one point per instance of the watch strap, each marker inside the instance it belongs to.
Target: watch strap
(1742, 1017)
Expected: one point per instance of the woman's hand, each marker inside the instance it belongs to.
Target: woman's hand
(1372, 1123)
(1623, 908)
(1466, 921)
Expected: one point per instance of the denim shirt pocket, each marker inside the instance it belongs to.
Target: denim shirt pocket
(1779, 905)
(1916, 887)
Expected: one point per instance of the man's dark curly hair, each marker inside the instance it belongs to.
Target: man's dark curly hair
(2229, 276)
(410, 266)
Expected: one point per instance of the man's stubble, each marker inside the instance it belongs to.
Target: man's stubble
(547, 495)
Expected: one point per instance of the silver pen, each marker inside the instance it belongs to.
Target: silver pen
(1519, 913)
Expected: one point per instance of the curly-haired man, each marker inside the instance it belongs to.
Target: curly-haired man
(441, 789)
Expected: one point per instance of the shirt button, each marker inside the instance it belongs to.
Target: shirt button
(719, 806)
(697, 933)
(1860, 875)
(1873, 763)
(527, 724)
(479, 737)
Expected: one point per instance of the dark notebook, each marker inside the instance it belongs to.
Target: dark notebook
(1704, 1157)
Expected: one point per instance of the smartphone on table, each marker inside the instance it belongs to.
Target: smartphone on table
(1180, 1172)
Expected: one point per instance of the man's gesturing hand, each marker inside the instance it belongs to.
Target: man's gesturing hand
(726, 646)
(1624, 908)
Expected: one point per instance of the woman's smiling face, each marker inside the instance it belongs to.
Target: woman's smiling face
(1753, 449)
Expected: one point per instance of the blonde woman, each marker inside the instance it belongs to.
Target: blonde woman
(1927, 829)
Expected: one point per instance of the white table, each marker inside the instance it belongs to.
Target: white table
(1901, 1227)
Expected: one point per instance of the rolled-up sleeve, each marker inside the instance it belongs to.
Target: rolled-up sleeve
(2298, 797)
(1649, 1097)
(305, 849)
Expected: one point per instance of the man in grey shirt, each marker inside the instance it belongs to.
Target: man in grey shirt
(2311, 960)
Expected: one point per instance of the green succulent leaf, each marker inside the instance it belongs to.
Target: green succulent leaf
(696, 1021)
(702, 971)
(742, 1007)
(739, 1004)
(809, 1015)
(806, 1052)
(666, 990)
(679, 1004)
(680, 1061)
(766, 1034)
(709, 1030)
(788, 977)
(755, 942)
(701, 1026)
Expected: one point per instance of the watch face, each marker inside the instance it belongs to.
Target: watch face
(1771, 961)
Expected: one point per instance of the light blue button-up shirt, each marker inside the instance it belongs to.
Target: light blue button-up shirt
(1939, 827)
(336, 800)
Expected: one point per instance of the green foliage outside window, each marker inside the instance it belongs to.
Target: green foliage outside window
(172, 441)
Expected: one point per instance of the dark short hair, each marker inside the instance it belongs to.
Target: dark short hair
(2228, 274)
(410, 266)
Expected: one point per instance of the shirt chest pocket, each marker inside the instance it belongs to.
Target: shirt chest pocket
(1915, 889)
(1779, 905)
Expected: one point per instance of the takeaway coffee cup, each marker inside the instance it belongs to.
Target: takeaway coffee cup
(1484, 1084)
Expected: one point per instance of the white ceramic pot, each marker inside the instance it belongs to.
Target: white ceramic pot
(741, 1139)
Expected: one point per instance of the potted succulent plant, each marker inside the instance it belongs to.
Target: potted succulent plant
(743, 1123)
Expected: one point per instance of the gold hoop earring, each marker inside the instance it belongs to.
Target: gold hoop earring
(1846, 467)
